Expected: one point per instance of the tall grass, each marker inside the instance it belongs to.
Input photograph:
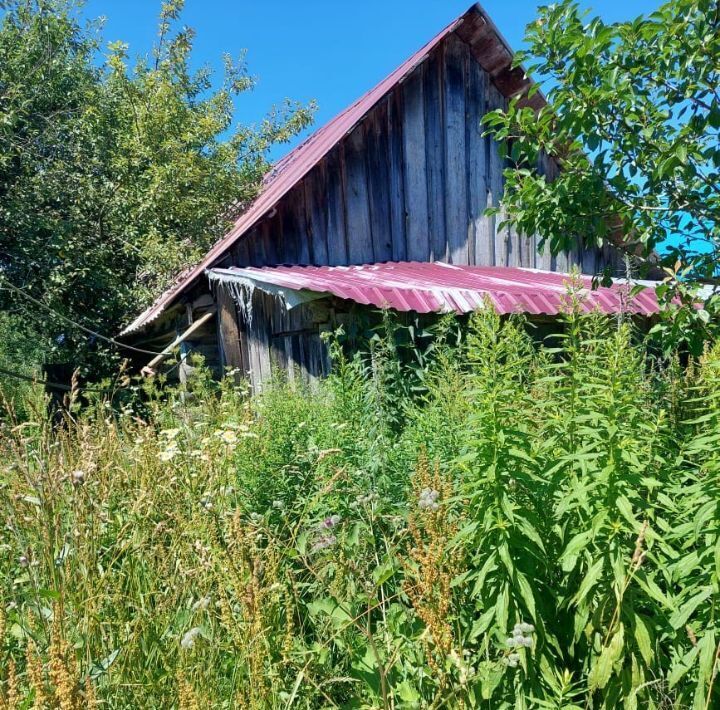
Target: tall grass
(522, 527)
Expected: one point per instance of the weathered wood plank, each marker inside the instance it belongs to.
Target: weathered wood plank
(241, 253)
(589, 264)
(300, 222)
(229, 334)
(259, 341)
(379, 184)
(268, 234)
(315, 192)
(480, 244)
(256, 248)
(495, 183)
(415, 168)
(336, 232)
(456, 206)
(527, 251)
(433, 85)
(357, 203)
(395, 167)
(543, 257)
(291, 215)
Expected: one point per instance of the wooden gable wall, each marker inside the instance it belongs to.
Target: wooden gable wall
(410, 182)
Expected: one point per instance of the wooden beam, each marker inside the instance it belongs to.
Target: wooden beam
(149, 371)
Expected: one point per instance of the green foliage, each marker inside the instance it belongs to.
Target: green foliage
(532, 527)
(633, 123)
(19, 353)
(114, 175)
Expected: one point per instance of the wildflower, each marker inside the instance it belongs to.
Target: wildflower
(512, 660)
(278, 504)
(365, 499)
(428, 499)
(188, 640)
(201, 604)
(330, 522)
(323, 542)
(229, 436)
(522, 636)
(256, 517)
(77, 477)
(23, 561)
(170, 434)
(206, 503)
(170, 452)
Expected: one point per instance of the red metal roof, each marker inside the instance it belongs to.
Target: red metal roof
(437, 287)
(293, 167)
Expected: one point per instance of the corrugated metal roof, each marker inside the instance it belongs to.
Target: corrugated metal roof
(437, 287)
(292, 168)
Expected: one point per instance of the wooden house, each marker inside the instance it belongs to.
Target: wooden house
(381, 207)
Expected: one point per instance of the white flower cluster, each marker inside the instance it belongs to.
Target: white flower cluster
(428, 499)
(201, 604)
(188, 640)
(521, 638)
(361, 500)
(512, 660)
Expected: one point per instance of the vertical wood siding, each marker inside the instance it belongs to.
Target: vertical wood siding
(412, 181)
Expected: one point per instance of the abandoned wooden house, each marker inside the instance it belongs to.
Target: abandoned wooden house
(383, 207)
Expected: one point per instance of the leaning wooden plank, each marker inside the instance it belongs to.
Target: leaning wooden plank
(149, 370)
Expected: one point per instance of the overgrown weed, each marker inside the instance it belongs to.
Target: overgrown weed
(521, 528)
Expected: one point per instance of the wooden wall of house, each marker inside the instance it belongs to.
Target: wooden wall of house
(274, 339)
(411, 182)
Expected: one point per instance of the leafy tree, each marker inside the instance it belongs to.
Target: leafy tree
(633, 122)
(114, 175)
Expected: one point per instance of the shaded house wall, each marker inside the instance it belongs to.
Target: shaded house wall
(410, 182)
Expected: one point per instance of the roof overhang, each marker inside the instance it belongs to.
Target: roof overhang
(438, 288)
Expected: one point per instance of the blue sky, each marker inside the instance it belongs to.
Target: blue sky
(327, 50)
